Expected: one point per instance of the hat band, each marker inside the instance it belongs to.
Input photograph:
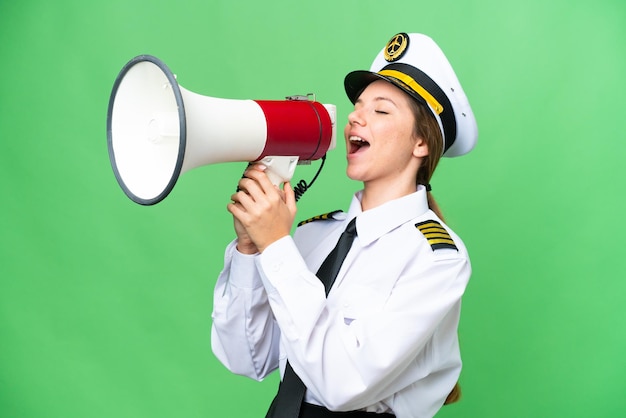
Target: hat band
(416, 87)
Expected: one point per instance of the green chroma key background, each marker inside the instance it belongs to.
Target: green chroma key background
(105, 305)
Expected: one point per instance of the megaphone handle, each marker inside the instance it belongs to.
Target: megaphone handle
(280, 168)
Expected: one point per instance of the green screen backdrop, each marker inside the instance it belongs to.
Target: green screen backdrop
(105, 305)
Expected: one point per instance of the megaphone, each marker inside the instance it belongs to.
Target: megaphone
(158, 130)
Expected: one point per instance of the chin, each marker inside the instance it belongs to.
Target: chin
(354, 174)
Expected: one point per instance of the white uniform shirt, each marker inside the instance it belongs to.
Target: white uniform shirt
(385, 339)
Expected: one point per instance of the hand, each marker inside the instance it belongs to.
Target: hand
(244, 242)
(263, 212)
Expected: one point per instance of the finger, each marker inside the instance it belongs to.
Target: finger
(249, 186)
(262, 180)
(238, 212)
(234, 209)
(234, 199)
(290, 198)
(242, 201)
(287, 191)
(257, 166)
(253, 168)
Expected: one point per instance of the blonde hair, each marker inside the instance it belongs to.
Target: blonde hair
(427, 128)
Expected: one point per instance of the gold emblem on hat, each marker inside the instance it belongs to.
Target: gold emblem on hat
(396, 47)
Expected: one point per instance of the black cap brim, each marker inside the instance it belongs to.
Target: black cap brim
(356, 81)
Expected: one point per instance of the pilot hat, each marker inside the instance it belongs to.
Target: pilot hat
(416, 64)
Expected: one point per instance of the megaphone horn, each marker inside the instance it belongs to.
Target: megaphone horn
(158, 130)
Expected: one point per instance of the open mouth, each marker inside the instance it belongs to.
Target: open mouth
(357, 144)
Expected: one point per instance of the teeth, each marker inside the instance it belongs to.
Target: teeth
(357, 139)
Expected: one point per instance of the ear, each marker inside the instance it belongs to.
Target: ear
(420, 149)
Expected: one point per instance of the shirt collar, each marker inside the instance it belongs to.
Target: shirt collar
(374, 223)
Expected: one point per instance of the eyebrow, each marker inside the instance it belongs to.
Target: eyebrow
(377, 99)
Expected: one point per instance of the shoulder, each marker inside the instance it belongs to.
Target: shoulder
(312, 231)
(436, 234)
(438, 239)
(335, 215)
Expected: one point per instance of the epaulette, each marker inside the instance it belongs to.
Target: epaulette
(324, 217)
(437, 236)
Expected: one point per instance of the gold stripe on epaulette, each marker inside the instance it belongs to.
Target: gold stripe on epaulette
(322, 217)
(437, 236)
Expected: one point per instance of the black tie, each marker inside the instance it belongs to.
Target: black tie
(287, 402)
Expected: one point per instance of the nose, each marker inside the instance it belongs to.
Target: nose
(355, 118)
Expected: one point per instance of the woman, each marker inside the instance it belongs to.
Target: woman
(383, 341)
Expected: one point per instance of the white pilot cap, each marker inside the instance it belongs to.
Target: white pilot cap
(416, 64)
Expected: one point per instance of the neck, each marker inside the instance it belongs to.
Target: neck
(376, 194)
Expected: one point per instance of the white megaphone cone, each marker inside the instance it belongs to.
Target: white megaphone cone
(157, 130)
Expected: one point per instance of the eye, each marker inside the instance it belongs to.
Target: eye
(381, 112)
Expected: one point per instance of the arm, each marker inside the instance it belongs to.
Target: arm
(244, 335)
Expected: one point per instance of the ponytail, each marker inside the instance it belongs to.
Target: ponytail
(455, 395)
(432, 204)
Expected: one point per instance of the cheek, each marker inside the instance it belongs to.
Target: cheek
(394, 136)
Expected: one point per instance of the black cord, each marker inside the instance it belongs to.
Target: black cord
(303, 186)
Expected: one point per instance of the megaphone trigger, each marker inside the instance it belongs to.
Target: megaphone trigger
(280, 168)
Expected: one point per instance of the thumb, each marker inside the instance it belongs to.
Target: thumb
(290, 198)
